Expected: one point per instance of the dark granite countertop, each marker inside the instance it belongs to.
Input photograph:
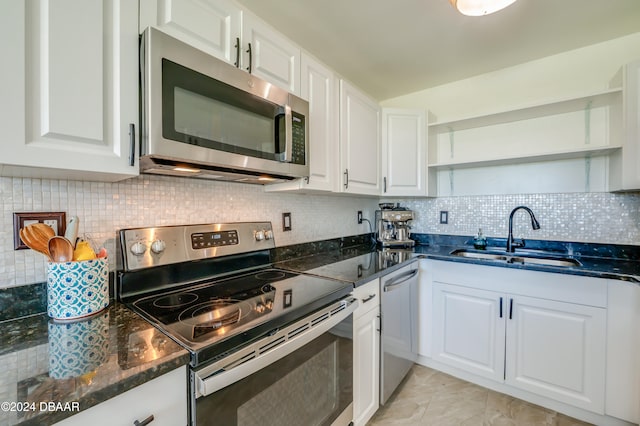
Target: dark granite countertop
(359, 264)
(619, 262)
(78, 364)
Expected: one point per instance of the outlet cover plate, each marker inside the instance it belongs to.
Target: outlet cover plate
(57, 220)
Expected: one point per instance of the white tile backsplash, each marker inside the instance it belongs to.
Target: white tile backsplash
(149, 200)
(583, 217)
(103, 208)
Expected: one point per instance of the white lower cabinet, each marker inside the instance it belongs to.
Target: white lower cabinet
(366, 353)
(164, 398)
(557, 349)
(468, 331)
(537, 332)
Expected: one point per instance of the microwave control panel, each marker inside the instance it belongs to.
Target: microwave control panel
(299, 142)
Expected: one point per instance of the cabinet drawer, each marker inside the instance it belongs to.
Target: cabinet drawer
(164, 397)
(368, 295)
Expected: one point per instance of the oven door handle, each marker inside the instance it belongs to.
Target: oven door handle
(247, 361)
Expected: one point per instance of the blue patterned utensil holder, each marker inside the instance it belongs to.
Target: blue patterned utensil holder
(77, 289)
(77, 348)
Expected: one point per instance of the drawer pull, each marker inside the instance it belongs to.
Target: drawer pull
(366, 299)
(144, 422)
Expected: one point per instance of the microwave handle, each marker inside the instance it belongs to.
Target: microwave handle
(288, 134)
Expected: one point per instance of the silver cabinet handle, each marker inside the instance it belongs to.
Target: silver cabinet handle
(384, 182)
(346, 178)
(400, 279)
(144, 422)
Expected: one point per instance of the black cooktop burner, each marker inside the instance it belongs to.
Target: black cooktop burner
(215, 316)
(175, 300)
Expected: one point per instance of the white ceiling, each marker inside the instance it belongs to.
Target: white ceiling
(393, 47)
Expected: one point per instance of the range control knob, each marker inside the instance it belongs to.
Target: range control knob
(158, 246)
(260, 308)
(259, 235)
(268, 234)
(268, 304)
(138, 248)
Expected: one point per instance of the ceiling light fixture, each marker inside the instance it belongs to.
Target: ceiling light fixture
(479, 7)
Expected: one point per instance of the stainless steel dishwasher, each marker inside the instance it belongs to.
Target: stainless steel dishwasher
(399, 334)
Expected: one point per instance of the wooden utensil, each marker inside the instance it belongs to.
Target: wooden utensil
(60, 249)
(36, 236)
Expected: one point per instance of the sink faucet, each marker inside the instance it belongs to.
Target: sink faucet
(511, 245)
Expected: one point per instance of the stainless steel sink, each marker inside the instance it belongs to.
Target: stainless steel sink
(479, 255)
(518, 258)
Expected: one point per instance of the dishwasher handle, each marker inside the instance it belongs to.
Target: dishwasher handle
(399, 280)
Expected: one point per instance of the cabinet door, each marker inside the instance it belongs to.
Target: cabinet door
(404, 156)
(273, 57)
(469, 329)
(75, 97)
(359, 142)
(556, 349)
(366, 366)
(164, 397)
(319, 88)
(213, 26)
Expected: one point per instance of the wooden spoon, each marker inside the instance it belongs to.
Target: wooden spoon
(36, 236)
(60, 249)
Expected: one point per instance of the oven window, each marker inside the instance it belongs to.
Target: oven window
(311, 386)
(199, 110)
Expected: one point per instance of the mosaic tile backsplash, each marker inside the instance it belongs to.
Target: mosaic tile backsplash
(103, 208)
(147, 200)
(577, 217)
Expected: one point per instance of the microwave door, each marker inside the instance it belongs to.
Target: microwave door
(199, 110)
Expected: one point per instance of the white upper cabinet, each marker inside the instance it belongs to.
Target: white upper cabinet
(404, 152)
(230, 33)
(269, 55)
(359, 142)
(69, 105)
(319, 87)
(627, 162)
(213, 26)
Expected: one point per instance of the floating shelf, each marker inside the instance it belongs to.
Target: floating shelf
(559, 106)
(552, 156)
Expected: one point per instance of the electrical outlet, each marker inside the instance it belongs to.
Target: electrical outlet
(53, 223)
(56, 220)
(286, 221)
(444, 217)
(359, 216)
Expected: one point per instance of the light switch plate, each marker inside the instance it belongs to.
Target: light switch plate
(56, 220)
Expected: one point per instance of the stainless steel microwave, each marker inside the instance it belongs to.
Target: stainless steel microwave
(204, 118)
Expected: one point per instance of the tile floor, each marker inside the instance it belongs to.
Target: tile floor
(429, 397)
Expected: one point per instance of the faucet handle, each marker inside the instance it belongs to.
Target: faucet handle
(518, 243)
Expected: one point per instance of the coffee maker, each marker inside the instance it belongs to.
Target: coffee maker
(392, 224)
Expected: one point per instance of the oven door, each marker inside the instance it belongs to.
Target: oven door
(301, 374)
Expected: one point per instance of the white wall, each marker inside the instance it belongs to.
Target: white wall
(569, 74)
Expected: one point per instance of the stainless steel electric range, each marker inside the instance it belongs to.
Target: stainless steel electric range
(260, 338)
